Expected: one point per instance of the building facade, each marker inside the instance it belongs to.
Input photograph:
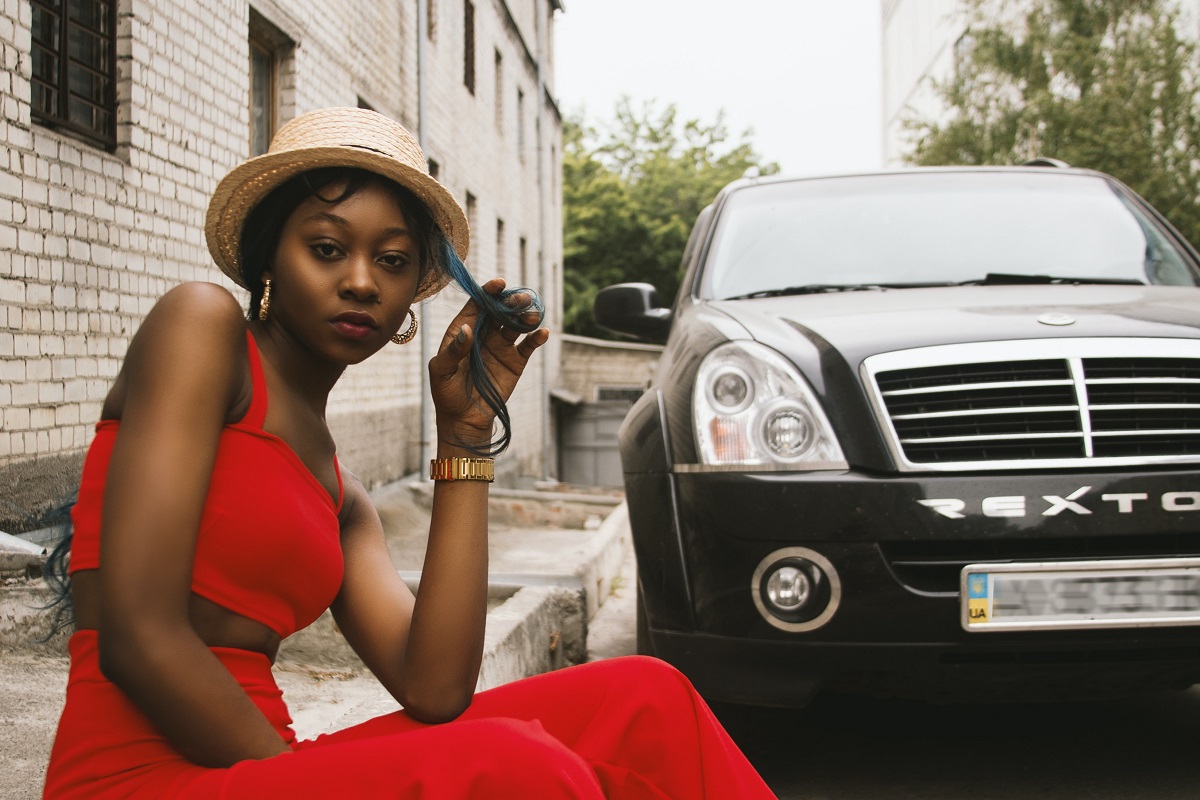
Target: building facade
(920, 40)
(119, 118)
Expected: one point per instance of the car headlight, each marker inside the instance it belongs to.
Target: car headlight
(752, 407)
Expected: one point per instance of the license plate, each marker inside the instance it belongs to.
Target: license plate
(1081, 594)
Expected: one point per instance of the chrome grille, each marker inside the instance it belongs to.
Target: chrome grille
(1045, 403)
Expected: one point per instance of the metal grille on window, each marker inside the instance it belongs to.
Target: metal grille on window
(469, 45)
(262, 97)
(618, 393)
(73, 55)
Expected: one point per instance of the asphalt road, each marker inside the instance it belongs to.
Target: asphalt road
(851, 748)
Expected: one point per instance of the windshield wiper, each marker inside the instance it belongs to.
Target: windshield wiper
(830, 288)
(1014, 279)
(809, 288)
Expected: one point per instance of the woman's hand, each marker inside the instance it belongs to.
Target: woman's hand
(462, 416)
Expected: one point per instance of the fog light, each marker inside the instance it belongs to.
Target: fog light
(788, 588)
(796, 589)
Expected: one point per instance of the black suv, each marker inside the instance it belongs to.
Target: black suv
(929, 433)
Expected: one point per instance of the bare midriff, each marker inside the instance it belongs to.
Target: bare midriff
(216, 626)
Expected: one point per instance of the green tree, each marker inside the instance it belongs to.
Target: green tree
(630, 196)
(1103, 84)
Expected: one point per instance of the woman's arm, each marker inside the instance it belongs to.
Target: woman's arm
(428, 652)
(184, 371)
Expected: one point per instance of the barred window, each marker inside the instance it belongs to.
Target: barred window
(469, 45)
(270, 50)
(74, 59)
(608, 394)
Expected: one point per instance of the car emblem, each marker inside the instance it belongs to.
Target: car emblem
(1056, 319)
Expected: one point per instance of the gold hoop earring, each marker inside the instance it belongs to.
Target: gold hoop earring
(407, 336)
(264, 305)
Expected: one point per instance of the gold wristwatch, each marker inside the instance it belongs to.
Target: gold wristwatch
(462, 469)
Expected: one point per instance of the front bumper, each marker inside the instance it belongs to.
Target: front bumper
(897, 629)
(776, 673)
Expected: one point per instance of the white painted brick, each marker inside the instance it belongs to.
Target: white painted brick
(25, 344)
(35, 190)
(49, 393)
(37, 294)
(38, 369)
(12, 370)
(66, 415)
(75, 345)
(51, 345)
(12, 291)
(74, 391)
(78, 250)
(24, 394)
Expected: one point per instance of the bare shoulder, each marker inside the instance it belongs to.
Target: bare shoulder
(193, 338)
(198, 303)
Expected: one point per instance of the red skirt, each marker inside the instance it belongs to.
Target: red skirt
(622, 728)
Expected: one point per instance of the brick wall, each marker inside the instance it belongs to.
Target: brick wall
(89, 239)
(590, 364)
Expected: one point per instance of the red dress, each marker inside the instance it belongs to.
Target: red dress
(623, 728)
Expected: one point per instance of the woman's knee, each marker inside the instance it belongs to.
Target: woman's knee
(652, 676)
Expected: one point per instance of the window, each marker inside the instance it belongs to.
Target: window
(500, 247)
(269, 48)
(469, 45)
(555, 173)
(522, 258)
(621, 394)
(521, 125)
(472, 203)
(74, 53)
(499, 92)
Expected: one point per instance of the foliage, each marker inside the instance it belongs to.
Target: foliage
(630, 196)
(1103, 84)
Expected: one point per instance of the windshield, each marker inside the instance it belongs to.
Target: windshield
(935, 228)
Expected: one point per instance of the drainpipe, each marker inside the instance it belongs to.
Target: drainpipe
(544, 354)
(426, 341)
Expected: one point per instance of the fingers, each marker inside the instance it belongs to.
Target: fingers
(532, 342)
(469, 313)
(454, 350)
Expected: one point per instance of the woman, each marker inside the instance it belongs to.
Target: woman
(214, 520)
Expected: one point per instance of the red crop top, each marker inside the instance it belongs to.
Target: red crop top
(268, 547)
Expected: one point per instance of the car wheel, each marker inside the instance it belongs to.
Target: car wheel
(645, 646)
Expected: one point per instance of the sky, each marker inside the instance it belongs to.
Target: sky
(803, 74)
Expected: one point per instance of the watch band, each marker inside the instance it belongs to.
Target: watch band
(462, 469)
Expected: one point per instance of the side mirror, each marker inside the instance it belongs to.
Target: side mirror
(632, 309)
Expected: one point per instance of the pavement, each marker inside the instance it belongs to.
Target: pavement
(561, 582)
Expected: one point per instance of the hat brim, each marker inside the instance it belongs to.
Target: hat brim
(247, 184)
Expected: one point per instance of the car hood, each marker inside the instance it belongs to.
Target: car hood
(861, 323)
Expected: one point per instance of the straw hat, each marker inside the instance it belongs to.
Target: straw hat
(332, 137)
